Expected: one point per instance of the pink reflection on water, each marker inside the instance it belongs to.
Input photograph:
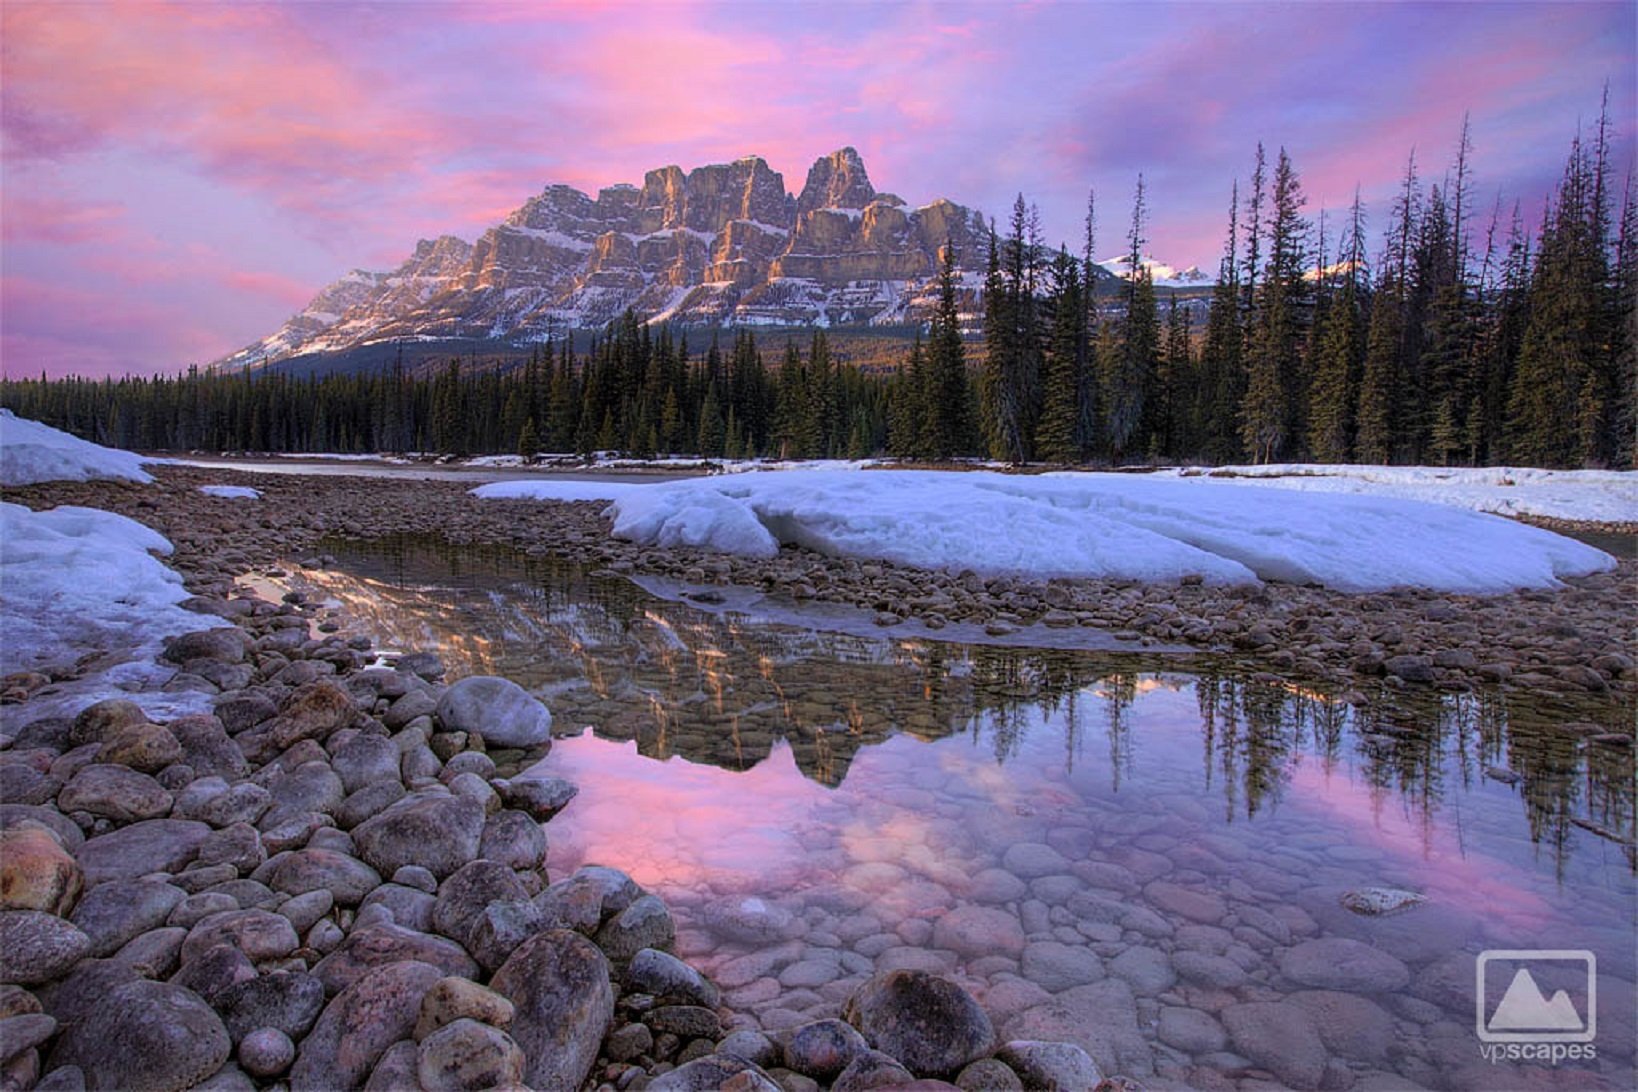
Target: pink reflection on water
(1443, 868)
(678, 824)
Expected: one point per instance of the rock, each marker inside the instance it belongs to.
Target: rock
(1055, 967)
(463, 896)
(1279, 1037)
(1212, 971)
(214, 971)
(753, 1046)
(631, 1041)
(372, 946)
(646, 923)
(365, 760)
(414, 876)
(714, 1073)
(746, 920)
(1185, 902)
(1413, 669)
(1100, 1018)
(514, 840)
(36, 872)
(225, 643)
(559, 984)
(1349, 1025)
(452, 999)
(310, 787)
(664, 976)
(684, 1021)
(16, 1001)
(928, 1023)
(369, 801)
(207, 747)
(872, 1069)
(358, 1026)
(988, 1075)
(69, 836)
(266, 1052)
(1031, 860)
(1338, 963)
(116, 793)
(977, 931)
(468, 1055)
(1050, 1067)
(305, 870)
(500, 928)
(823, 1048)
(20, 1036)
(1381, 901)
(96, 723)
(260, 935)
(498, 709)
(304, 911)
(211, 799)
(312, 711)
(395, 1072)
(37, 947)
(146, 1035)
(439, 833)
(153, 954)
(409, 907)
(1190, 1030)
(153, 845)
(538, 797)
(145, 747)
(287, 1000)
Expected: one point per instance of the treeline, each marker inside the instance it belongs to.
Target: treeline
(1451, 345)
(1462, 338)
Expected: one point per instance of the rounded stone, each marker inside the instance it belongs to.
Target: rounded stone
(646, 923)
(988, 1075)
(37, 947)
(115, 792)
(266, 1052)
(96, 723)
(1338, 963)
(1032, 860)
(146, 1035)
(453, 998)
(974, 931)
(36, 872)
(498, 709)
(823, 1048)
(746, 920)
(930, 1024)
(145, 747)
(468, 1055)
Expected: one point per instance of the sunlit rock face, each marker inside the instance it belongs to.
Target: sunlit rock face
(720, 244)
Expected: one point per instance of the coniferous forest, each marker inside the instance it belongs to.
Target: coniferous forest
(1431, 332)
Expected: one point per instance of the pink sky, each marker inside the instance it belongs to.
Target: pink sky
(179, 179)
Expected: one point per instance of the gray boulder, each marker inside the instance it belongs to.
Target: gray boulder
(439, 833)
(1050, 1067)
(558, 983)
(37, 947)
(930, 1024)
(499, 710)
(153, 845)
(146, 1037)
(114, 913)
(358, 1026)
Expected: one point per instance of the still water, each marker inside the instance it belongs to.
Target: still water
(1146, 854)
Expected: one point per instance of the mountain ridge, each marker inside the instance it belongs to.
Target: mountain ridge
(720, 245)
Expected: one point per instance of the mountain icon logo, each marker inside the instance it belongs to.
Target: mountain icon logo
(1523, 1008)
(1526, 1014)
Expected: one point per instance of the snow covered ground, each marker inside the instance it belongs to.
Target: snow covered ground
(1606, 496)
(31, 453)
(231, 492)
(82, 581)
(1120, 526)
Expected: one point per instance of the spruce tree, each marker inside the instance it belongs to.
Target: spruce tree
(1222, 373)
(1057, 436)
(948, 429)
(1129, 375)
(1340, 349)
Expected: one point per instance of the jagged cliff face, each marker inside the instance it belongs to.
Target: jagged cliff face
(719, 245)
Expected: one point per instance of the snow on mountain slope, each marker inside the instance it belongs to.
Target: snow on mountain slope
(1163, 275)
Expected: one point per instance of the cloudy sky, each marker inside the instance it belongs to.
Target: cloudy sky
(179, 179)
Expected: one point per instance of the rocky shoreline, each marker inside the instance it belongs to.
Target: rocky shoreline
(337, 880)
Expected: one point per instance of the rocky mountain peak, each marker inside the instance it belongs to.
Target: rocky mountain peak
(836, 181)
(720, 244)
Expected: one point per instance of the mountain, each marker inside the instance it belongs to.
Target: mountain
(1163, 275)
(723, 244)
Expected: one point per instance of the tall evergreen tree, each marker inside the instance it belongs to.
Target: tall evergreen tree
(1129, 375)
(1340, 352)
(1222, 373)
(1058, 435)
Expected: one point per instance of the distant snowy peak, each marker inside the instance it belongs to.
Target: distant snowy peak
(722, 244)
(1163, 275)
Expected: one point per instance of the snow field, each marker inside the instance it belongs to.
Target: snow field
(1110, 526)
(31, 453)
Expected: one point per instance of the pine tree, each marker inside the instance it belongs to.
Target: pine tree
(1222, 373)
(1339, 355)
(712, 434)
(528, 441)
(906, 412)
(947, 398)
(1175, 434)
(1271, 414)
(1057, 436)
(1129, 375)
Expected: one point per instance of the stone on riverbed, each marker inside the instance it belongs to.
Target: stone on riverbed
(1050, 1067)
(438, 832)
(287, 1000)
(930, 1024)
(539, 797)
(153, 845)
(662, 975)
(371, 946)
(558, 982)
(36, 872)
(468, 1055)
(360, 1024)
(146, 1035)
(37, 947)
(713, 1072)
(646, 923)
(499, 710)
(1380, 901)
(1338, 963)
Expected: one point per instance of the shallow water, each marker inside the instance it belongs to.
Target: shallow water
(1145, 854)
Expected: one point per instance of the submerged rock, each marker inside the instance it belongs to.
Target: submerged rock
(1380, 901)
(930, 1024)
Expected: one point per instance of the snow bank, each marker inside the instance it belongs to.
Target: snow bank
(232, 492)
(555, 490)
(31, 452)
(1606, 496)
(81, 580)
(1117, 526)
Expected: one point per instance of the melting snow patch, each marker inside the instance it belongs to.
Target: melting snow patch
(231, 492)
(1101, 526)
(31, 452)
